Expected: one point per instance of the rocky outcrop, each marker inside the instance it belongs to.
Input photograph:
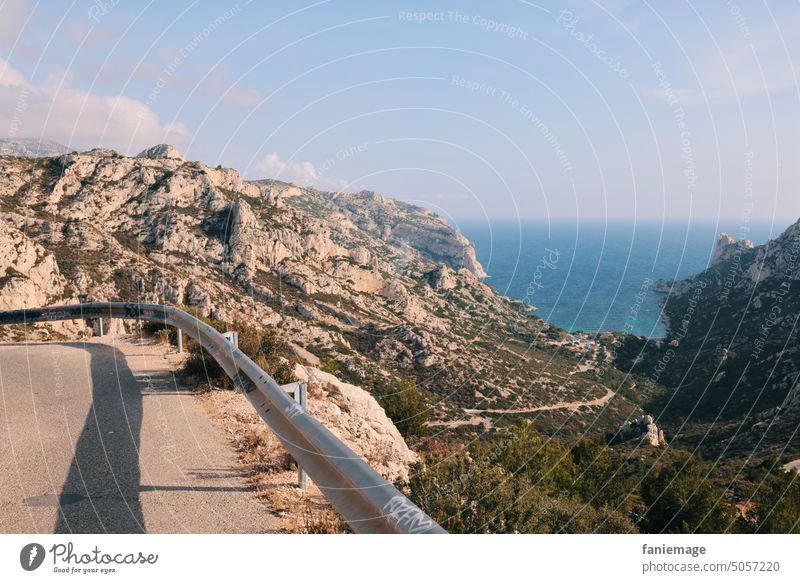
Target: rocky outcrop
(406, 227)
(643, 429)
(726, 247)
(355, 417)
(30, 278)
(162, 151)
(29, 275)
(442, 278)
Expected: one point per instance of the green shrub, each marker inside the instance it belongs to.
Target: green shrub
(776, 503)
(263, 345)
(600, 475)
(544, 461)
(406, 408)
(468, 493)
(680, 498)
(329, 365)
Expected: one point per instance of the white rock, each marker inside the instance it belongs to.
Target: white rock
(354, 416)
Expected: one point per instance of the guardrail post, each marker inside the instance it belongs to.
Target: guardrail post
(180, 341)
(299, 392)
(101, 326)
(232, 337)
(301, 396)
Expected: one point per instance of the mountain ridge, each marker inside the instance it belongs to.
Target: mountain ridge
(731, 351)
(385, 289)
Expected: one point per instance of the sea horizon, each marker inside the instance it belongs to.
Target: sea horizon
(596, 275)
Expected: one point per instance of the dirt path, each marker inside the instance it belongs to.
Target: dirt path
(572, 405)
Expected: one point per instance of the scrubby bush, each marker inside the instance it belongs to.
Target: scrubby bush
(680, 498)
(470, 493)
(162, 336)
(406, 407)
(545, 462)
(776, 502)
(263, 345)
(329, 365)
(600, 475)
(159, 331)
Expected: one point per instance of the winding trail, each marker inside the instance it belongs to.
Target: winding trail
(572, 405)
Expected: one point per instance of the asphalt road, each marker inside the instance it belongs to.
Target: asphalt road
(98, 438)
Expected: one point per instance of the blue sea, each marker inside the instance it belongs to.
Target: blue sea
(597, 276)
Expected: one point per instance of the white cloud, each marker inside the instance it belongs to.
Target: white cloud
(78, 118)
(301, 173)
(241, 96)
(14, 13)
(10, 77)
(742, 66)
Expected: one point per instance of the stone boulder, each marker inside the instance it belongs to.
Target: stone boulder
(442, 278)
(645, 429)
(355, 417)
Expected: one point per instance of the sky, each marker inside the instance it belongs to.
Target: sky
(512, 109)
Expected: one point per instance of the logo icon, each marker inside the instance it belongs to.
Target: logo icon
(31, 556)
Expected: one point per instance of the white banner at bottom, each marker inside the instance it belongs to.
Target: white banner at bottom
(333, 558)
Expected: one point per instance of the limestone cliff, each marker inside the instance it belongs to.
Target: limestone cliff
(386, 289)
(731, 358)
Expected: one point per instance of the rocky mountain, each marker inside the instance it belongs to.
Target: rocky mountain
(727, 247)
(31, 147)
(731, 358)
(385, 289)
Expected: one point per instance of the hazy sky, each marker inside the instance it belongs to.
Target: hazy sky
(503, 109)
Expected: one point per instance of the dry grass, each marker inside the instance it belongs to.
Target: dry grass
(322, 521)
(271, 471)
(162, 337)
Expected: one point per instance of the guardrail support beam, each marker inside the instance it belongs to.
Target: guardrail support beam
(299, 392)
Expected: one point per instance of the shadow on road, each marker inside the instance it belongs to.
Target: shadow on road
(101, 492)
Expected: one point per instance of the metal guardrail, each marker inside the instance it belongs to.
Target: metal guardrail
(367, 502)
